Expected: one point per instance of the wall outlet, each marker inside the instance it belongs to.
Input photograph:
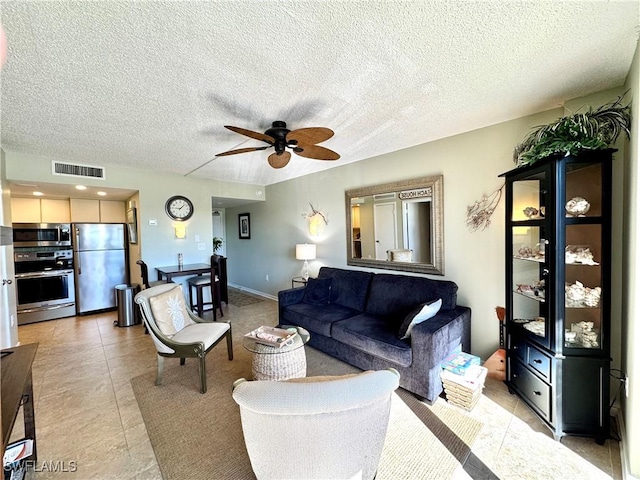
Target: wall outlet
(196, 238)
(626, 385)
(266, 277)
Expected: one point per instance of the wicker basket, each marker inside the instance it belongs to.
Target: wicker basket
(271, 363)
(464, 390)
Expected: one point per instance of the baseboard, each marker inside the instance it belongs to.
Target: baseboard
(253, 292)
(624, 458)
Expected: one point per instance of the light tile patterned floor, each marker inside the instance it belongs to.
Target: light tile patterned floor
(87, 416)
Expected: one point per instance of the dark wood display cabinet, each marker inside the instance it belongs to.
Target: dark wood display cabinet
(558, 262)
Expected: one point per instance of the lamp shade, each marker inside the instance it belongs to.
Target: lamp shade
(305, 251)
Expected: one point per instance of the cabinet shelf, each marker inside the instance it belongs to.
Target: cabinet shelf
(530, 296)
(530, 259)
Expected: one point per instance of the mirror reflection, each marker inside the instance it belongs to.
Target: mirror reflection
(397, 226)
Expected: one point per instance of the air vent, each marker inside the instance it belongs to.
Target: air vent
(76, 170)
(384, 196)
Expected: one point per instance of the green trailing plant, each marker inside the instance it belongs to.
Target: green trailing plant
(592, 130)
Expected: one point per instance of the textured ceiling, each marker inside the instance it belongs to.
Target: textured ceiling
(151, 84)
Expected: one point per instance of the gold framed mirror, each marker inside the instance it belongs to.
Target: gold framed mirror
(397, 226)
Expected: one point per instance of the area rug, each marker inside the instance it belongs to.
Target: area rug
(197, 436)
(240, 299)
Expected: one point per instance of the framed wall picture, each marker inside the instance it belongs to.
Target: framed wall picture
(132, 225)
(244, 226)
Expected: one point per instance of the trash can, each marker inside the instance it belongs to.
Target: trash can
(128, 314)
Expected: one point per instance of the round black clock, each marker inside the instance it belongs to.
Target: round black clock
(179, 208)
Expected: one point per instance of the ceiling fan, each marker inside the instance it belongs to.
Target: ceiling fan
(302, 141)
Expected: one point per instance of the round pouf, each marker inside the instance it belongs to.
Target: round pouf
(271, 363)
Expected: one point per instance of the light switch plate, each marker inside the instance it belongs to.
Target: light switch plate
(201, 246)
(153, 223)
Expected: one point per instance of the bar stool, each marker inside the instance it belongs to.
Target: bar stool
(144, 273)
(204, 281)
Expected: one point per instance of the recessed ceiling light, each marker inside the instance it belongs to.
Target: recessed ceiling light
(38, 194)
(80, 187)
(102, 194)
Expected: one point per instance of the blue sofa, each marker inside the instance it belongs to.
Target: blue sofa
(356, 316)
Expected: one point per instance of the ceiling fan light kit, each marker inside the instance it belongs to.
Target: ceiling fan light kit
(302, 142)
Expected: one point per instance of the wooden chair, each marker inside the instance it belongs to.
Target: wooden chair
(177, 332)
(202, 282)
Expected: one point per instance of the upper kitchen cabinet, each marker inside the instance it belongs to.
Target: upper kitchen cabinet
(94, 211)
(85, 210)
(36, 210)
(113, 212)
(55, 211)
(77, 210)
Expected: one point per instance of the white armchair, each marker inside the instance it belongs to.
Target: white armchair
(176, 331)
(316, 427)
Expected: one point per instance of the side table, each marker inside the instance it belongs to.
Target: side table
(279, 363)
(295, 280)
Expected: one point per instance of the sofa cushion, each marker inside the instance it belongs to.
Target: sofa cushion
(375, 336)
(349, 288)
(313, 318)
(421, 313)
(317, 291)
(395, 296)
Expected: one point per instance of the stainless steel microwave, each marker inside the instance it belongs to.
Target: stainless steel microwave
(41, 235)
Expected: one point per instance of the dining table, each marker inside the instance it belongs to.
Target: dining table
(167, 273)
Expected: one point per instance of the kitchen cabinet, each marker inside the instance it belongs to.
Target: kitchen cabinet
(112, 212)
(55, 211)
(36, 210)
(558, 290)
(25, 210)
(85, 210)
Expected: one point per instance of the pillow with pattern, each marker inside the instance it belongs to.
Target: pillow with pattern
(170, 311)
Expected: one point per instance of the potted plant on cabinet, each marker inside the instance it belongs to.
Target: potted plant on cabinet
(593, 130)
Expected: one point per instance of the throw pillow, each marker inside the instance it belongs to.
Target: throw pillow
(170, 311)
(317, 291)
(418, 315)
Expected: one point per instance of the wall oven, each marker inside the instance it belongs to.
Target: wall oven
(41, 235)
(45, 287)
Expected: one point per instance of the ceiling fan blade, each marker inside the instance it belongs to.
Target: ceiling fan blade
(310, 136)
(316, 152)
(279, 161)
(240, 150)
(249, 133)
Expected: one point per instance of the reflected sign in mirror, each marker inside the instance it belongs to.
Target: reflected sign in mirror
(397, 226)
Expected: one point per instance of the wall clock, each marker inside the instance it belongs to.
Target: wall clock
(179, 208)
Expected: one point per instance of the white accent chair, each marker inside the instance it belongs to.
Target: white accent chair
(316, 427)
(176, 331)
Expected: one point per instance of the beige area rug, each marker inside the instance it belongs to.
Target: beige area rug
(197, 436)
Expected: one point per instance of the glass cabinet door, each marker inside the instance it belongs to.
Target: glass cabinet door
(529, 248)
(583, 253)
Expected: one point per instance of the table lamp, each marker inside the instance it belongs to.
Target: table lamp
(306, 252)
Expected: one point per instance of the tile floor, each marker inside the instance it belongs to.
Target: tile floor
(87, 416)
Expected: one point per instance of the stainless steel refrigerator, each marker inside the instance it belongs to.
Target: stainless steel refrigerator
(100, 264)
